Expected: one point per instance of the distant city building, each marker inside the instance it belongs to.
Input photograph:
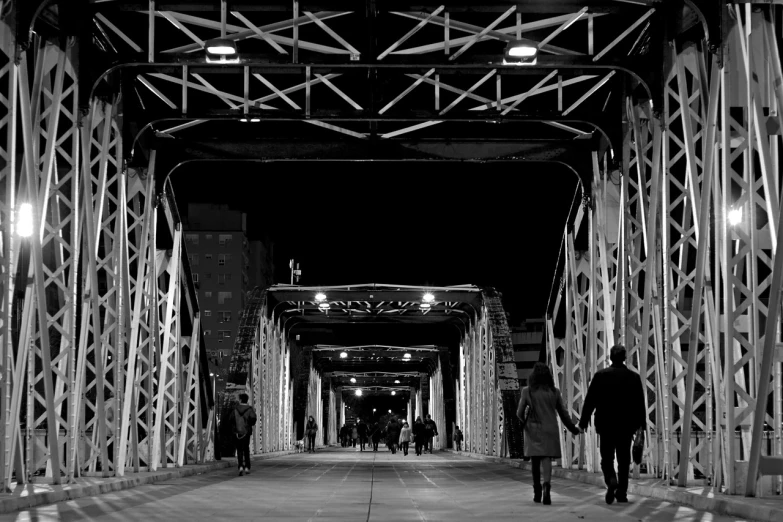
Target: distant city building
(225, 266)
(527, 338)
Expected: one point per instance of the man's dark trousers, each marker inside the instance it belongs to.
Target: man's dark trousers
(619, 443)
(243, 452)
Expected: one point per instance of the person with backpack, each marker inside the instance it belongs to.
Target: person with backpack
(539, 407)
(419, 435)
(457, 438)
(376, 436)
(243, 420)
(393, 434)
(311, 428)
(361, 428)
(432, 431)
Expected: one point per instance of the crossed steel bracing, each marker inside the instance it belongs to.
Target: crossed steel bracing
(669, 113)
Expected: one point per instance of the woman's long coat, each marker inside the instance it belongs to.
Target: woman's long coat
(542, 432)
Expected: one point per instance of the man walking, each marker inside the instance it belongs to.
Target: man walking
(431, 429)
(617, 397)
(362, 429)
(243, 420)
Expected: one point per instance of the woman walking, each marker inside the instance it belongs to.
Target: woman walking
(539, 407)
(405, 438)
(376, 437)
(311, 429)
(393, 434)
(419, 435)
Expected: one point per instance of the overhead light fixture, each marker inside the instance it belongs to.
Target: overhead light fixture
(24, 217)
(221, 50)
(353, 379)
(520, 52)
(323, 306)
(735, 216)
(389, 411)
(358, 393)
(425, 306)
(406, 356)
(428, 298)
(397, 381)
(320, 296)
(343, 355)
(394, 392)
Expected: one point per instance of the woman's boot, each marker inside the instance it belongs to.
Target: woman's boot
(537, 492)
(547, 489)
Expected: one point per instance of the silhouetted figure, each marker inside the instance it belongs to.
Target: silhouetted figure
(617, 397)
(243, 420)
(538, 409)
(419, 435)
(311, 429)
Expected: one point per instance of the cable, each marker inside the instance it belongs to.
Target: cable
(372, 484)
(560, 251)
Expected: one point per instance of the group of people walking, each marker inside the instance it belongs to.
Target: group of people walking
(617, 398)
(397, 434)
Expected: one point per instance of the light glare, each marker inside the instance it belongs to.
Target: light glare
(735, 216)
(358, 393)
(394, 392)
(320, 296)
(223, 50)
(428, 298)
(353, 379)
(343, 355)
(523, 51)
(24, 227)
(406, 356)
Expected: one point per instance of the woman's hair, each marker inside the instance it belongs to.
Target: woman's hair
(541, 377)
(311, 418)
(418, 419)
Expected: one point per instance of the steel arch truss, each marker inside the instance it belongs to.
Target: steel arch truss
(94, 313)
(682, 266)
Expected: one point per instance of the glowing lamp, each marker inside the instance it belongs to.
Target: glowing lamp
(343, 355)
(24, 225)
(428, 298)
(520, 52)
(353, 379)
(320, 296)
(735, 216)
(358, 393)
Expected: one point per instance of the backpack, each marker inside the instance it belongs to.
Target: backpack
(239, 422)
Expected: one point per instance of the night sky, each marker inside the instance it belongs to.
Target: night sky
(414, 223)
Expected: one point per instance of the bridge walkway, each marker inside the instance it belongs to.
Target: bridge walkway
(347, 485)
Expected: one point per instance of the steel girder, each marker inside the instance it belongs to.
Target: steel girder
(96, 317)
(681, 265)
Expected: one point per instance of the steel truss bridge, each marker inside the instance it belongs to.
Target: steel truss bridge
(668, 112)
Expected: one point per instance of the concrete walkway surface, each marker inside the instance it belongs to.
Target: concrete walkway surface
(346, 485)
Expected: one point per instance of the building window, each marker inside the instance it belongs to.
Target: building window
(208, 275)
(225, 316)
(222, 259)
(207, 332)
(208, 257)
(195, 277)
(207, 313)
(193, 258)
(224, 239)
(207, 294)
(209, 237)
(191, 238)
(222, 278)
(223, 334)
(223, 297)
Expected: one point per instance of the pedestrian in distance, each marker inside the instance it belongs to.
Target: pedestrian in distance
(393, 434)
(431, 430)
(344, 436)
(243, 419)
(406, 434)
(419, 435)
(354, 435)
(457, 438)
(616, 396)
(311, 428)
(376, 436)
(361, 428)
(539, 407)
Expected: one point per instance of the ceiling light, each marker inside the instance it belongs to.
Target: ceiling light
(428, 298)
(397, 381)
(323, 306)
(394, 392)
(425, 306)
(320, 296)
(353, 379)
(520, 52)
(358, 393)
(343, 355)
(218, 48)
(389, 411)
(24, 216)
(735, 216)
(406, 356)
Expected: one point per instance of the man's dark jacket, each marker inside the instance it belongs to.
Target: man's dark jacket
(617, 397)
(362, 429)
